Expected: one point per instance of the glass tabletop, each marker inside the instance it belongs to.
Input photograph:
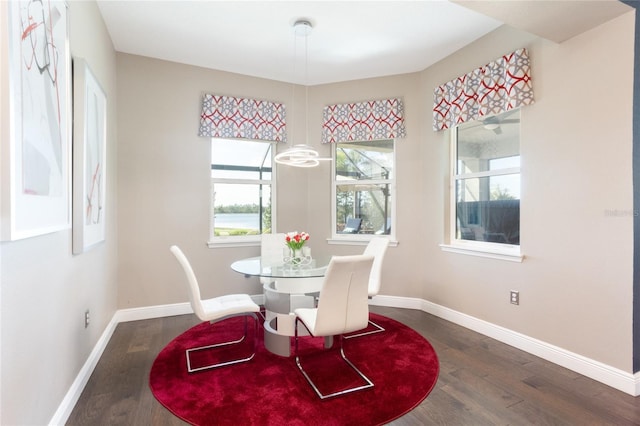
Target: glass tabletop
(254, 266)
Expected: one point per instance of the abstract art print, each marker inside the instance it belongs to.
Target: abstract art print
(37, 153)
(89, 154)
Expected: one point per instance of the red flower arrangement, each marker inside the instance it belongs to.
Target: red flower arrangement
(296, 240)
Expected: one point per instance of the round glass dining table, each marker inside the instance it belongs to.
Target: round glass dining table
(286, 288)
(257, 267)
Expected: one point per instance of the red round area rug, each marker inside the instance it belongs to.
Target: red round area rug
(270, 390)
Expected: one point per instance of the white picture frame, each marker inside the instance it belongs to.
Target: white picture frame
(89, 158)
(36, 150)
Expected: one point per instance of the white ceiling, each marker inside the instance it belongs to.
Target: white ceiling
(350, 39)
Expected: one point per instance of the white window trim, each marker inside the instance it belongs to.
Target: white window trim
(485, 249)
(232, 240)
(250, 240)
(508, 252)
(362, 239)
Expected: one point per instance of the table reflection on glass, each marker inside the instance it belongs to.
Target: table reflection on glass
(255, 266)
(286, 287)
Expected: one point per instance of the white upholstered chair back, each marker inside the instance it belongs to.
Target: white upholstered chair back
(271, 248)
(343, 303)
(271, 251)
(377, 247)
(194, 289)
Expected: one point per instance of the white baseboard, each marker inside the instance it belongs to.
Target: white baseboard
(123, 315)
(397, 302)
(159, 311)
(626, 382)
(149, 312)
(617, 379)
(73, 394)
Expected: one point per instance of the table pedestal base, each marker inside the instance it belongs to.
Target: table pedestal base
(281, 299)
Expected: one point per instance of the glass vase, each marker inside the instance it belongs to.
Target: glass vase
(296, 256)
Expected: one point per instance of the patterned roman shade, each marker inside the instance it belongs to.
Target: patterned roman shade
(499, 86)
(238, 118)
(363, 121)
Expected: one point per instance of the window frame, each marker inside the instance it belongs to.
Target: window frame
(487, 249)
(362, 239)
(244, 240)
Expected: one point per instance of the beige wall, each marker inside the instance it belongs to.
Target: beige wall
(400, 277)
(164, 169)
(45, 289)
(576, 281)
(164, 172)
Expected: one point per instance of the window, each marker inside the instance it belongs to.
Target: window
(241, 182)
(363, 189)
(486, 183)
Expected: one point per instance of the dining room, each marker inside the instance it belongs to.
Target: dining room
(574, 271)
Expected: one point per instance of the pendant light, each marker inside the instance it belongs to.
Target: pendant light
(302, 155)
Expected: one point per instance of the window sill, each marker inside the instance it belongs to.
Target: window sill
(511, 255)
(357, 241)
(233, 242)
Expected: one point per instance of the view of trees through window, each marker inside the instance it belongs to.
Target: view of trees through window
(363, 182)
(241, 173)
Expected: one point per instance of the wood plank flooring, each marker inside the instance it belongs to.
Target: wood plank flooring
(481, 382)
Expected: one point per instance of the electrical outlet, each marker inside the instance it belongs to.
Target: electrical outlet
(515, 297)
(87, 319)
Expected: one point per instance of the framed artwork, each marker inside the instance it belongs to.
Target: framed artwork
(36, 149)
(89, 154)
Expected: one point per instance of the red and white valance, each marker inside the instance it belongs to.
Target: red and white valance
(237, 118)
(499, 86)
(363, 121)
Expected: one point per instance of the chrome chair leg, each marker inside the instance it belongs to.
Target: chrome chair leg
(227, 343)
(369, 383)
(378, 329)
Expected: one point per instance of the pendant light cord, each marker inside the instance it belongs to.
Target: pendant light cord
(306, 86)
(300, 155)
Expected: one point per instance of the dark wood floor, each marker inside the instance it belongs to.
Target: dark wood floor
(482, 381)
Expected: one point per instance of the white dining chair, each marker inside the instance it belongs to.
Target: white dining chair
(217, 309)
(271, 252)
(377, 247)
(342, 308)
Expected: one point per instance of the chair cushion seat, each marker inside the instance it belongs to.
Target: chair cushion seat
(308, 317)
(230, 304)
